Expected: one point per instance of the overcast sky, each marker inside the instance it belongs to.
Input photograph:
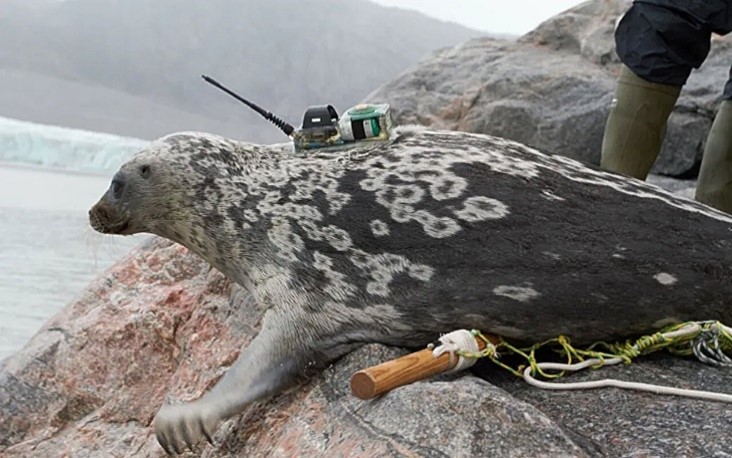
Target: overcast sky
(499, 16)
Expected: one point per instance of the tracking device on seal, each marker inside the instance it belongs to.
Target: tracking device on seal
(323, 128)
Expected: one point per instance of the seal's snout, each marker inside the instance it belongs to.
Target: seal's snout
(97, 213)
(103, 218)
(109, 216)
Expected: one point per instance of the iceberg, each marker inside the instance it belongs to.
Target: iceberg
(60, 147)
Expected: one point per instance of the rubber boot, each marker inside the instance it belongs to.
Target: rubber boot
(714, 187)
(636, 125)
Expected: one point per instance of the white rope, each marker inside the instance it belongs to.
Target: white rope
(453, 342)
(605, 383)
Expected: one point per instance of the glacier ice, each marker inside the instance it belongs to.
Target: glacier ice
(65, 148)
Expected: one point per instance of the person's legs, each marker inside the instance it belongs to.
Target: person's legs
(636, 126)
(659, 44)
(714, 187)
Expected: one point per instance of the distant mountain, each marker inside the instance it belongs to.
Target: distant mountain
(133, 67)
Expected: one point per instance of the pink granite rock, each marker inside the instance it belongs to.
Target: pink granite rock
(162, 321)
(95, 375)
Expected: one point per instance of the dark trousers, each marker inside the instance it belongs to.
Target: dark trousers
(662, 40)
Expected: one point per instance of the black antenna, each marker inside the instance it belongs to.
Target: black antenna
(285, 127)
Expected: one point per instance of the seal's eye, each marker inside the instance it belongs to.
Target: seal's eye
(145, 171)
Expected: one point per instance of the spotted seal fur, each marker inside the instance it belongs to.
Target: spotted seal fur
(399, 242)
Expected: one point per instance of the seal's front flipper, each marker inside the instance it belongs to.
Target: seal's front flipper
(269, 364)
(182, 426)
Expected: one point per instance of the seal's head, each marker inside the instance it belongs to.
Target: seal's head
(148, 192)
(122, 208)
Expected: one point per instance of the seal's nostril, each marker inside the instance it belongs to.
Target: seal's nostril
(117, 187)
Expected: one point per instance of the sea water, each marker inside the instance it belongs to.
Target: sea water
(48, 252)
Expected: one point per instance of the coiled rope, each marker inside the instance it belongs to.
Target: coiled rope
(708, 341)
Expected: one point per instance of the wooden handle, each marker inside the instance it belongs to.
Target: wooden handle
(373, 381)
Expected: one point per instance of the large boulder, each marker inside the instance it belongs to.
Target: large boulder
(551, 89)
(90, 381)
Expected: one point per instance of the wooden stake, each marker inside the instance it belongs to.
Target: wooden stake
(373, 381)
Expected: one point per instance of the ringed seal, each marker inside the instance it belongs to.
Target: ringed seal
(399, 242)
